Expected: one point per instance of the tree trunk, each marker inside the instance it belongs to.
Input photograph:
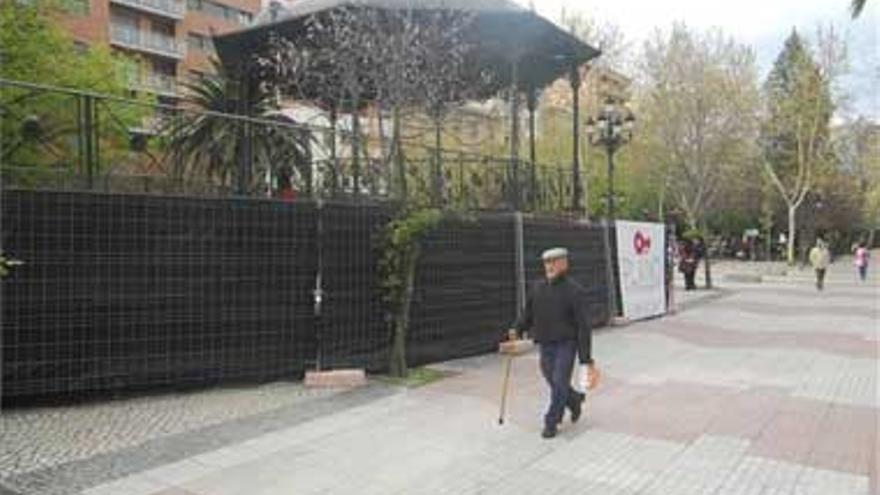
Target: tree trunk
(707, 264)
(397, 366)
(767, 218)
(792, 212)
(397, 151)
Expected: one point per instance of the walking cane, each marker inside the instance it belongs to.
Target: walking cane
(504, 388)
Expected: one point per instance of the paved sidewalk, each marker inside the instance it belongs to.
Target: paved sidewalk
(842, 270)
(770, 389)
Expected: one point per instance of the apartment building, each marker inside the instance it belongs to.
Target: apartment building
(165, 41)
(598, 85)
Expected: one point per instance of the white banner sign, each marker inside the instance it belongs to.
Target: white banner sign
(641, 248)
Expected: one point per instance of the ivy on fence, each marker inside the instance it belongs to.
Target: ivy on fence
(401, 248)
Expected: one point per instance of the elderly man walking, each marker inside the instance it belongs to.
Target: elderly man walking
(556, 316)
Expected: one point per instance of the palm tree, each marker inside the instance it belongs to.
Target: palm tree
(206, 140)
(857, 7)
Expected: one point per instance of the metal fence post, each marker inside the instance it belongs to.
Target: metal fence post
(461, 187)
(2, 322)
(87, 132)
(609, 264)
(514, 136)
(319, 290)
(520, 263)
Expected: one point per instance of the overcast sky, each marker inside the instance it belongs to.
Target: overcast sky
(763, 24)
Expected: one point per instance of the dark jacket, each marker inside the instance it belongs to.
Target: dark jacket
(557, 311)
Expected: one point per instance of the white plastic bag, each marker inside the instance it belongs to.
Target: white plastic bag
(579, 378)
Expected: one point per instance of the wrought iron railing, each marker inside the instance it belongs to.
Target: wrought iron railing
(63, 139)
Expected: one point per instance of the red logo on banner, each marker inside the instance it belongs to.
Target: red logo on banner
(641, 243)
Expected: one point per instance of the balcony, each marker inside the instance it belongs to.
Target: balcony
(159, 84)
(135, 39)
(174, 9)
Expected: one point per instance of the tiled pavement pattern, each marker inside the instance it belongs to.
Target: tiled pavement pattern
(36, 443)
(770, 389)
(38, 438)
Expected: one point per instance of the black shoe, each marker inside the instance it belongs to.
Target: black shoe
(576, 408)
(549, 432)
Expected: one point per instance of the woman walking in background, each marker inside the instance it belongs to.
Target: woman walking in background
(820, 258)
(861, 260)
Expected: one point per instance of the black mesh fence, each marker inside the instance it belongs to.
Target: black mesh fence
(137, 292)
(352, 326)
(465, 291)
(133, 292)
(586, 245)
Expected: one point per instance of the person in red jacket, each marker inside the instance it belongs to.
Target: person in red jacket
(285, 190)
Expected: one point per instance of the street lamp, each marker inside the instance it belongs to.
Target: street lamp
(818, 206)
(611, 129)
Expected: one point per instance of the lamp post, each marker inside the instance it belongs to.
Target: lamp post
(818, 206)
(612, 128)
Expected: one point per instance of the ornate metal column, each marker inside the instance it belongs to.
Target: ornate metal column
(532, 103)
(577, 192)
(514, 185)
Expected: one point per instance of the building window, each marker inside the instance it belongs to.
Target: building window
(164, 67)
(221, 11)
(215, 10)
(162, 28)
(125, 19)
(200, 43)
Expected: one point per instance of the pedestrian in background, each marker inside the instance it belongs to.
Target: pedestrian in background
(861, 260)
(285, 190)
(557, 318)
(820, 258)
(687, 265)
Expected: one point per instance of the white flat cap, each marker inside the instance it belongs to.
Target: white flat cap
(554, 253)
